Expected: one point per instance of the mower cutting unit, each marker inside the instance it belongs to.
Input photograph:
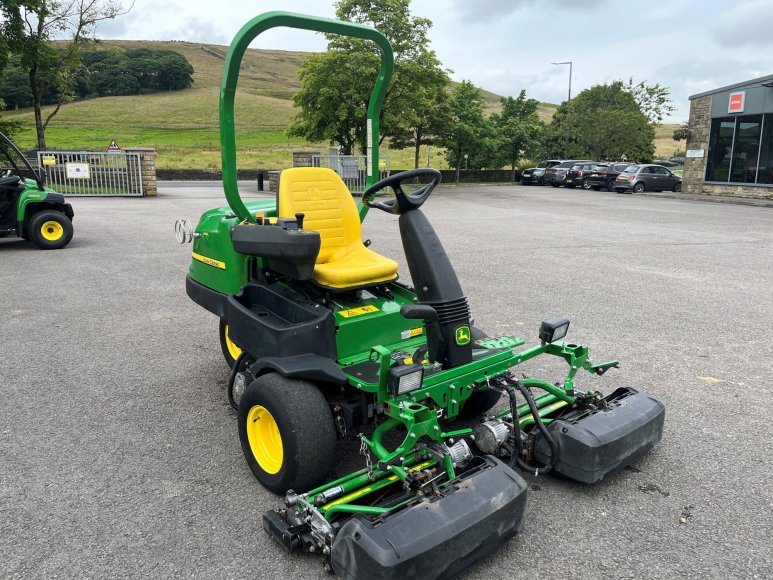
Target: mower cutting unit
(326, 343)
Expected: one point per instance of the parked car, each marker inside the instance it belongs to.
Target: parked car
(605, 177)
(578, 174)
(647, 177)
(536, 175)
(555, 175)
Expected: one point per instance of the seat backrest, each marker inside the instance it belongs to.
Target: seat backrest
(328, 206)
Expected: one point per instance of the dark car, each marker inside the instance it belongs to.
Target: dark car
(556, 174)
(578, 174)
(605, 177)
(536, 175)
(647, 177)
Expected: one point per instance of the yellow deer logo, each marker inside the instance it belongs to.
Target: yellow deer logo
(462, 335)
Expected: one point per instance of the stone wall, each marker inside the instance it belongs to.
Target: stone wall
(147, 168)
(303, 158)
(695, 167)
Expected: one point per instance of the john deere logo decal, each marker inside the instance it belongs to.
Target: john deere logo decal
(462, 335)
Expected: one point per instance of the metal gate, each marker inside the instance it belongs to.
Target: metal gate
(352, 169)
(92, 173)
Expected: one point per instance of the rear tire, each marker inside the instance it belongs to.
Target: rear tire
(231, 350)
(585, 184)
(50, 230)
(287, 433)
(638, 188)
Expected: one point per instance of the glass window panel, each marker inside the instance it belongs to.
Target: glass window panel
(765, 170)
(746, 149)
(720, 148)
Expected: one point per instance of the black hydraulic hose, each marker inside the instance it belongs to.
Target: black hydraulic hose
(540, 425)
(232, 378)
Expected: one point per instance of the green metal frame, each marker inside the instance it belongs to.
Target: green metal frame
(233, 61)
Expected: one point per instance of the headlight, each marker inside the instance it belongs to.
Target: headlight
(404, 379)
(553, 329)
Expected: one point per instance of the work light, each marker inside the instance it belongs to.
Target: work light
(553, 329)
(405, 378)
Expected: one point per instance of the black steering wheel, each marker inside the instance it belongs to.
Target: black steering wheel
(403, 201)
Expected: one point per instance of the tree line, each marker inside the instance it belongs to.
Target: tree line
(103, 73)
(606, 122)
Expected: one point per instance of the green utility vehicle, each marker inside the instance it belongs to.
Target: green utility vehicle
(28, 208)
(326, 342)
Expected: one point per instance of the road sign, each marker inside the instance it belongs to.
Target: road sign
(113, 146)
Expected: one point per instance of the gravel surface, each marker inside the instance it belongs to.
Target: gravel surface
(119, 455)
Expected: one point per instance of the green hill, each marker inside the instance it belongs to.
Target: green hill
(183, 125)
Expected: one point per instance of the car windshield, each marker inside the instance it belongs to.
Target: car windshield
(631, 169)
(543, 165)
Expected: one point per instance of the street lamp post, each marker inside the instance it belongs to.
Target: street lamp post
(566, 137)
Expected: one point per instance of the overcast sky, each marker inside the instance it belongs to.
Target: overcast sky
(505, 46)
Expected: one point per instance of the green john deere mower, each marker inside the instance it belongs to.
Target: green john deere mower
(325, 342)
(28, 208)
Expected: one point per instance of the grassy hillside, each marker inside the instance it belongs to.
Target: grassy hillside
(183, 125)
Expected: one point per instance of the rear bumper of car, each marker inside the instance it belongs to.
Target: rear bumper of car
(622, 184)
(531, 179)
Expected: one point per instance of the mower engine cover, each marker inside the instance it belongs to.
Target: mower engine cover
(436, 537)
(595, 444)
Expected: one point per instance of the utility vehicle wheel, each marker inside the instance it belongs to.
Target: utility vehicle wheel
(231, 350)
(638, 188)
(50, 230)
(287, 433)
(678, 188)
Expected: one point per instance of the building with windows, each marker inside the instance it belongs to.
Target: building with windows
(730, 142)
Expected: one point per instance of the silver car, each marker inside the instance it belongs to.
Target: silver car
(647, 177)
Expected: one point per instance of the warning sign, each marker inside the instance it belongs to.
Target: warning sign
(113, 146)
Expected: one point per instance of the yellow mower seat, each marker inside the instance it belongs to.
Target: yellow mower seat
(343, 261)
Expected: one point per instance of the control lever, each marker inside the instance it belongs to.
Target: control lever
(419, 312)
(299, 218)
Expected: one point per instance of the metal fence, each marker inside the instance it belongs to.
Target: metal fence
(352, 169)
(92, 173)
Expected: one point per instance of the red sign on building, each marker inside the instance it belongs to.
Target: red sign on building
(736, 102)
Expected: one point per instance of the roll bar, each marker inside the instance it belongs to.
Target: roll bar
(233, 61)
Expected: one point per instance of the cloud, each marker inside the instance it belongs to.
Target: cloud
(745, 24)
(495, 10)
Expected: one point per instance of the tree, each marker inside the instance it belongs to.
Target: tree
(426, 110)
(682, 132)
(606, 124)
(517, 130)
(31, 26)
(653, 100)
(470, 132)
(336, 85)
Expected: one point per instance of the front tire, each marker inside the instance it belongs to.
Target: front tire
(50, 230)
(556, 184)
(678, 188)
(287, 433)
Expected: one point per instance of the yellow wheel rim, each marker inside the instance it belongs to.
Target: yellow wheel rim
(52, 230)
(233, 350)
(264, 439)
